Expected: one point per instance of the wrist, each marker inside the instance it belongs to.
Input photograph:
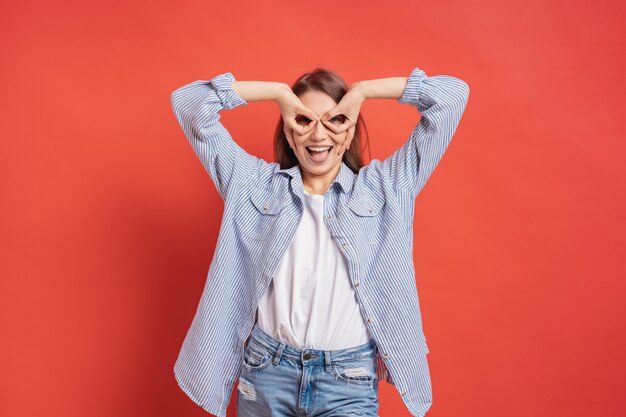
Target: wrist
(281, 90)
(359, 89)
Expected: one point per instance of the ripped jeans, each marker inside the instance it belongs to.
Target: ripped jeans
(278, 380)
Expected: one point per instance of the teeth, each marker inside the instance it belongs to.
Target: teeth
(318, 149)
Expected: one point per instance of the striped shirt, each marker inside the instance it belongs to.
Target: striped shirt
(369, 215)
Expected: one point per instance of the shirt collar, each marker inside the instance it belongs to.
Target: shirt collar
(345, 177)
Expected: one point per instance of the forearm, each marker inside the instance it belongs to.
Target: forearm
(440, 100)
(260, 90)
(197, 106)
(391, 87)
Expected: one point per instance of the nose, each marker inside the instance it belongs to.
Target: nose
(319, 131)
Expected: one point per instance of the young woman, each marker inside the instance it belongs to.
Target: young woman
(311, 298)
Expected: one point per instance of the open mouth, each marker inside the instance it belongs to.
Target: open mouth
(319, 153)
(318, 149)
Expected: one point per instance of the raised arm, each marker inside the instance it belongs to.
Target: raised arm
(197, 106)
(440, 101)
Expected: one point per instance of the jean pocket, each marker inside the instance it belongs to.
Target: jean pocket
(360, 371)
(256, 357)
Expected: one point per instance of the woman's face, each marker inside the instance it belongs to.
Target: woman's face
(319, 163)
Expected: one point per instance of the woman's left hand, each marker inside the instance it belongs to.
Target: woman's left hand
(349, 107)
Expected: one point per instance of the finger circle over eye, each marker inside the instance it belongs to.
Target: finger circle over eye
(341, 128)
(331, 127)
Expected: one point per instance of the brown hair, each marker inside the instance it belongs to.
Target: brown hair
(328, 82)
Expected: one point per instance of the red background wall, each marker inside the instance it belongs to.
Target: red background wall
(109, 222)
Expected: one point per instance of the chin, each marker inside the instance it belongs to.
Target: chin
(326, 168)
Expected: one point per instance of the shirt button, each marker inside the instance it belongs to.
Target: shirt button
(403, 392)
(356, 283)
(344, 245)
(265, 208)
(329, 217)
(386, 355)
(370, 320)
(369, 209)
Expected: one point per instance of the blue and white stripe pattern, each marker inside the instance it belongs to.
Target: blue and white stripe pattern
(369, 215)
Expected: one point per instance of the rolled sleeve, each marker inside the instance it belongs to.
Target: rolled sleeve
(197, 108)
(223, 84)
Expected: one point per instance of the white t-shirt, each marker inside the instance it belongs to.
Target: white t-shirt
(310, 302)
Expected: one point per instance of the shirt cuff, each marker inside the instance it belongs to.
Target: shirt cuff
(413, 87)
(224, 90)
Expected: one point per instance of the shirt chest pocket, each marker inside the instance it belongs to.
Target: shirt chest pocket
(366, 217)
(258, 214)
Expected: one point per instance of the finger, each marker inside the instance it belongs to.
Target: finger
(350, 135)
(286, 132)
(313, 118)
(337, 128)
(303, 130)
(342, 127)
(297, 127)
(342, 147)
(309, 113)
(331, 126)
(330, 114)
(345, 145)
(288, 135)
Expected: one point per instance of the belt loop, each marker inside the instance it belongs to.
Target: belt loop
(279, 353)
(327, 360)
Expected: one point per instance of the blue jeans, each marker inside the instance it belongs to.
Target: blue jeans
(278, 379)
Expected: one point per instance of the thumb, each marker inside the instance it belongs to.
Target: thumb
(310, 114)
(331, 113)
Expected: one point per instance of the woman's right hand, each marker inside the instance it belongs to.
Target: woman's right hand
(290, 108)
